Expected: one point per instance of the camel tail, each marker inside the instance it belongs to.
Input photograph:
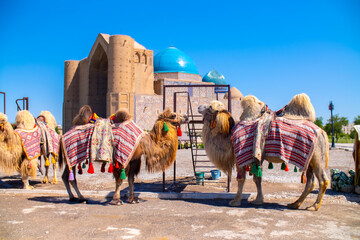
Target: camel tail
(326, 139)
(61, 154)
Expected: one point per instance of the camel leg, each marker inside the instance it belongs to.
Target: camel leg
(259, 197)
(134, 170)
(54, 181)
(118, 181)
(65, 178)
(46, 179)
(25, 180)
(241, 180)
(75, 186)
(309, 187)
(323, 184)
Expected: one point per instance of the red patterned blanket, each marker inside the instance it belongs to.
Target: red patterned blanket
(290, 140)
(127, 136)
(30, 142)
(77, 143)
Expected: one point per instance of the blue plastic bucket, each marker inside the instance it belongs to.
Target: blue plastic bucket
(199, 178)
(215, 174)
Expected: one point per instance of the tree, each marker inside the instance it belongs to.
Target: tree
(319, 122)
(357, 120)
(338, 123)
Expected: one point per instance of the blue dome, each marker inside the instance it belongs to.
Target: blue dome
(214, 77)
(174, 60)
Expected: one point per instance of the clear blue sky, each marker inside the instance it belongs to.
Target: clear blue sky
(271, 49)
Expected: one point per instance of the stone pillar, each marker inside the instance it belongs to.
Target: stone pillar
(120, 74)
(70, 92)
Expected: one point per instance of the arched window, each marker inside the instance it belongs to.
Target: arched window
(144, 60)
(137, 57)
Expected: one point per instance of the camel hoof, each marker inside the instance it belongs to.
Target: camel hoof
(45, 180)
(293, 205)
(83, 200)
(313, 208)
(54, 181)
(234, 203)
(116, 202)
(133, 200)
(28, 187)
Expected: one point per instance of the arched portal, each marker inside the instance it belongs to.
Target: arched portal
(98, 78)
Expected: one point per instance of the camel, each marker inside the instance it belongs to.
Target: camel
(159, 148)
(12, 155)
(47, 122)
(298, 109)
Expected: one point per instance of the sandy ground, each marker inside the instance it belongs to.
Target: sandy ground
(31, 215)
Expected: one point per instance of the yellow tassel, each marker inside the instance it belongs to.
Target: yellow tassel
(53, 160)
(47, 163)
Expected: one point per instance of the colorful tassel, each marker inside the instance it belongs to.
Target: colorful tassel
(166, 128)
(256, 170)
(295, 169)
(111, 169)
(91, 168)
(179, 133)
(53, 161)
(87, 161)
(286, 168)
(83, 166)
(103, 167)
(117, 164)
(71, 176)
(303, 178)
(247, 168)
(80, 171)
(283, 165)
(47, 162)
(123, 174)
(271, 165)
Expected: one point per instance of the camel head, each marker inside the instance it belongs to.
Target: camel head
(25, 120)
(47, 117)
(218, 119)
(83, 116)
(300, 107)
(252, 108)
(172, 117)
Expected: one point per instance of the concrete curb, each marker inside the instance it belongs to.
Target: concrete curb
(145, 195)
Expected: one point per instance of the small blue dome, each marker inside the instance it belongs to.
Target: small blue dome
(214, 77)
(174, 60)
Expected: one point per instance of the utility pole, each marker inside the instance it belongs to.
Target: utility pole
(331, 108)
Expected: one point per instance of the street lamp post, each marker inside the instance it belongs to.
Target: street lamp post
(331, 108)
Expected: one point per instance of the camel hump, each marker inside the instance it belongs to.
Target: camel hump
(25, 120)
(300, 107)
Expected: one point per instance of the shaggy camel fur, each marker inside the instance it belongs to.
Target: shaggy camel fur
(299, 107)
(12, 155)
(159, 148)
(49, 119)
(216, 137)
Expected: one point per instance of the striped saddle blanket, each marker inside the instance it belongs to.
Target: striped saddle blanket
(30, 142)
(51, 138)
(127, 136)
(77, 143)
(290, 140)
